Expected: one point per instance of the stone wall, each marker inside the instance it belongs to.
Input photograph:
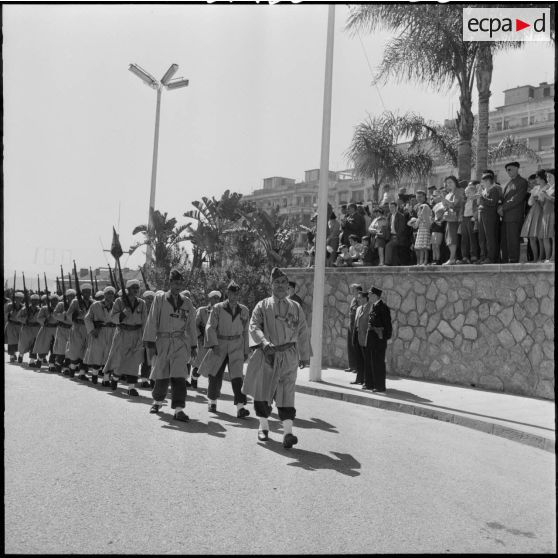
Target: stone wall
(489, 326)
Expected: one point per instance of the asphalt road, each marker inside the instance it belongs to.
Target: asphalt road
(91, 471)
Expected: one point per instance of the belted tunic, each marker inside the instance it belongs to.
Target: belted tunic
(29, 329)
(47, 333)
(77, 340)
(12, 329)
(62, 331)
(99, 318)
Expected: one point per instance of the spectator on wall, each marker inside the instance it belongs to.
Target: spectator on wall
(548, 218)
(490, 198)
(437, 227)
(355, 247)
(333, 230)
(379, 233)
(531, 228)
(398, 236)
(469, 252)
(424, 221)
(453, 204)
(369, 255)
(356, 288)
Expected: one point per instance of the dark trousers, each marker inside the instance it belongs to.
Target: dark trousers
(145, 369)
(215, 383)
(263, 409)
(509, 241)
(375, 374)
(351, 351)
(392, 252)
(363, 363)
(468, 240)
(488, 235)
(178, 391)
(12, 349)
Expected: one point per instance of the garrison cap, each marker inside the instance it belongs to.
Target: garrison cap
(70, 292)
(19, 294)
(99, 294)
(233, 286)
(86, 286)
(148, 294)
(34, 297)
(512, 164)
(216, 294)
(276, 273)
(132, 283)
(376, 291)
(109, 289)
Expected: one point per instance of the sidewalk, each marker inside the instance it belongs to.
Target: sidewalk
(522, 419)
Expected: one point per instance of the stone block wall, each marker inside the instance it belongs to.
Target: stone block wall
(489, 326)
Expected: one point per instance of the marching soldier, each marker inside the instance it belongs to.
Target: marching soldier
(126, 353)
(202, 317)
(77, 341)
(170, 338)
(13, 326)
(99, 295)
(226, 337)
(45, 338)
(279, 334)
(100, 329)
(145, 365)
(29, 329)
(62, 336)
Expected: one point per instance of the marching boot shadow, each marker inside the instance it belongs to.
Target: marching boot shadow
(343, 463)
(193, 426)
(405, 396)
(313, 423)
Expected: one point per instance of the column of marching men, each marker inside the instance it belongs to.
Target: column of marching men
(160, 339)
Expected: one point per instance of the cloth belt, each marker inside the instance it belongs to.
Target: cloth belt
(79, 321)
(33, 324)
(168, 335)
(127, 327)
(284, 347)
(229, 337)
(103, 324)
(64, 325)
(50, 325)
(13, 322)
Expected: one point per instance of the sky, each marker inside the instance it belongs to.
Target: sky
(78, 126)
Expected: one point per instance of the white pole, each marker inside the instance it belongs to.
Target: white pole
(149, 253)
(319, 258)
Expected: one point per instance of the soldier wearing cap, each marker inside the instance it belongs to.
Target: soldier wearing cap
(62, 362)
(29, 329)
(12, 328)
(129, 314)
(99, 295)
(45, 338)
(279, 335)
(226, 337)
(378, 333)
(356, 289)
(77, 340)
(100, 329)
(145, 369)
(170, 338)
(202, 317)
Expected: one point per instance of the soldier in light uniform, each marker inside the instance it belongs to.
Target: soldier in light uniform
(279, 335)
(226, 337)
(145, 370)
(100, 329)
(45, 338)
(202, 317)
(13, 326)
(77, 341)
(62, 363)
(29, 329)
(99, 295)
(126, 352)
(170, 338)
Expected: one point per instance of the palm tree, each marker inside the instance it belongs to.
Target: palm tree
(164, 240)
(376, 153)
(428, 48)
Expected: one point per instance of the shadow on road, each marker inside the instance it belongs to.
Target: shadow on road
(343, 463)
(193, 426)
(405, 396)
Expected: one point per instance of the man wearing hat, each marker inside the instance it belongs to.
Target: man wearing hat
(62, 362)
(29, 329)
(129, 315)
(280, 337)
(226, 338)
(512, 212)
(145, 369)
(202, 317)
(77, 341)
(12, 328)
(170, 337)
(99, 295)
(100, 329)
(360, 330)
(379, 331)
(45, 338)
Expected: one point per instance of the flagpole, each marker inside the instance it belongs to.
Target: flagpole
(315, 374)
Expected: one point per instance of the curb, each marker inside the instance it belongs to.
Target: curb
(495, 429)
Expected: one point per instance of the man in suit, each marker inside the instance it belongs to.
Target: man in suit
(512, 212)
(362, 356)
(351, 350)
(398, 235)
(379, 331)
(489, 200)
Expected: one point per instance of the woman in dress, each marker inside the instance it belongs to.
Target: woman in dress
(531, 228)
(424, 221)
(547, 219)
(453, 203)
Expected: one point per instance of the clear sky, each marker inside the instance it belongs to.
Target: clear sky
(78, 126)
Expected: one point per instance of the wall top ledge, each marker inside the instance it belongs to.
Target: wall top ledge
(436, 269)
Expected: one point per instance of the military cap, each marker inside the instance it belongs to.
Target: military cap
(34, 297)
(375, 290)
(99, 294)
(233, 286)
(54, 296)
(86, 286)
(70, 292)
(186, 292)
(356, 286)
(19, 294)
(512, 164)
(109, 289)
(431, 187)
(132, 283)
(216, 294)
(292, 284)
(175, 275)
(276, 273)
(150, 294)
(43, 297)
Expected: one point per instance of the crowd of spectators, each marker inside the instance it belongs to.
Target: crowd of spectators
(455, 223)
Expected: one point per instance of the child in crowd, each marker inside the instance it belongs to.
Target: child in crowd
(437, 230)
(379, 233)
(355, 247)
(344, 259)
(423, 223)
(368, 253)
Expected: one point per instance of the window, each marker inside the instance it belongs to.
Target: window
(532, 119)
(546, 92)
(546, 142)
(498, 126)
(285, 201)
(506, 124)
(307, 200)
(524, 121)
(531, 92)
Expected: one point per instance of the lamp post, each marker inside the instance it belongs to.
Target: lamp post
(158, 85)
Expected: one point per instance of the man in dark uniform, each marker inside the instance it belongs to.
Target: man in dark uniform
(355, 290)
(379, 331)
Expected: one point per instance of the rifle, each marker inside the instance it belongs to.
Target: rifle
(144, 279)
(92, 282)
(70, 280)
(47, 293)
(112, 279)
(58, 287)
(96, 285)
(38, 285)
(64, 290)
(78, 290)
(13, 292)
(124, 290)
(25, 296)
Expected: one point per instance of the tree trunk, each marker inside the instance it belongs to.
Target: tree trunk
(465, 121)
(484, 79)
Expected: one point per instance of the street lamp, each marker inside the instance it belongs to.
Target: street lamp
(169, 83)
